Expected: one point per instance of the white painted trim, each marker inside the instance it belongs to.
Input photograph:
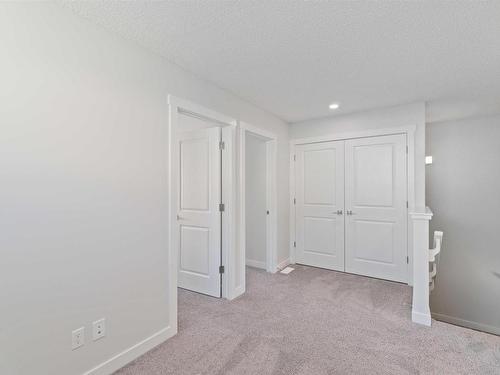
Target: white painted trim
(292, 204)
(241, 209)
(177, 105)
(283, 264)
(409, 131)
(421, 318)
(420, 295)
(238, 291)
(128, 355)
(410, 175)
(358, 134)
(466, 323)
(229, 215)
(255, 263)
(197, 110)
(258, 131)
(172, 217)
(422, 214)
(271, 195)
(272, 204)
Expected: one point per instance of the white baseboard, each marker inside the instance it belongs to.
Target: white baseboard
(283, 264)
(467, 323)
(237, 292)
(134, 352)
(421, 318)
(255, 263)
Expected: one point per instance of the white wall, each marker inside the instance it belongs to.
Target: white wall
(83, 143)
(383, 118)
(256, 205)
(463, 185)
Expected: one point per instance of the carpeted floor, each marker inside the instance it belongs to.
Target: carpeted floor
(314, 322)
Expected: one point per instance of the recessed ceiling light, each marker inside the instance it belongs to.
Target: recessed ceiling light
(333, 106)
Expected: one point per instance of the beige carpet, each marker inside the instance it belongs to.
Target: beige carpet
(315, 322)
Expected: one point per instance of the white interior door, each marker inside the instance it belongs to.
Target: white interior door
(199, 218)
(375, 203)
(320, 205)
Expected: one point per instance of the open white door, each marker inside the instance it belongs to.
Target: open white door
(375, 203)
(320, 204)
(199, 216)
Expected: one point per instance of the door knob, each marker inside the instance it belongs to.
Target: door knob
(349, 212)
(339, 212)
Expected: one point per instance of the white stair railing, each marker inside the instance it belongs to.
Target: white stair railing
(421, 312)
(433, 253)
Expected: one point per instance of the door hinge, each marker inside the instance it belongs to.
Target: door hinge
(222, 145)
(222, 207)
(407, 259)
(221, 269)
(294, 244)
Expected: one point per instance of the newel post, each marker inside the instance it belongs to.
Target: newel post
(421, 312)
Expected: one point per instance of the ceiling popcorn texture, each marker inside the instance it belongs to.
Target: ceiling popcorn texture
(294, 58)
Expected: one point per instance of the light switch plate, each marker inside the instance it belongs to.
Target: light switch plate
(77, 338)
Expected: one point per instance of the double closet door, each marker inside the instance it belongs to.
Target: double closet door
(351, 206)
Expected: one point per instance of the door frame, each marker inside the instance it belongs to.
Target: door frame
(409, 131)
(271, 196)
(178, 106)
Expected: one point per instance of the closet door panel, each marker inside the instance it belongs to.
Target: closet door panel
(319, 197)
(376, 218)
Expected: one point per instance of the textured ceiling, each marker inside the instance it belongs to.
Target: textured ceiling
(293, 58)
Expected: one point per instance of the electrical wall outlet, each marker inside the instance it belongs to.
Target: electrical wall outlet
(98, 329)
(77, 338)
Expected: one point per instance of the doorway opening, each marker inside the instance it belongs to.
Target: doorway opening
(258, 192)
(207, 202)
(201, 198)
(257, 210)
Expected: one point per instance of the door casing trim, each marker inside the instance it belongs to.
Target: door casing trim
(178, 106)
(271, 194)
